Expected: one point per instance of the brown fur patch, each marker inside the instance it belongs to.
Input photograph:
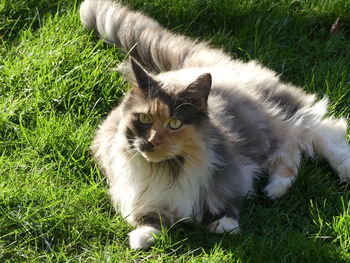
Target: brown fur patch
(159, 111)
(280, 168)
(192, 144)
(288, 172)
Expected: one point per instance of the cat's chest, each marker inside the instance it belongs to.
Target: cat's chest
(141, 187)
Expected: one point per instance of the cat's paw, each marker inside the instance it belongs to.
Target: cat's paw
(224, 225)
(278, 187)
(143, 237)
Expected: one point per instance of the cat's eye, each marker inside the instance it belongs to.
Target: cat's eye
(144, 119)
(175, 124)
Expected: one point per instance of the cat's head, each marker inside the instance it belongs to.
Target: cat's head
(164, 120)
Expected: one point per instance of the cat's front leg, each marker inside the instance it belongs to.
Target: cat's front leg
(224, 224)
(227, 221)
(144, 236)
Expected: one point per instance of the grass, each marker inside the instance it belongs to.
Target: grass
(56, 84)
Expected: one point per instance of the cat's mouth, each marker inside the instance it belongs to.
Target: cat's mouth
(173, 160)
(155, 156)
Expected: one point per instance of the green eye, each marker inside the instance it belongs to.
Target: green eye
(144, 118)
(175, 124)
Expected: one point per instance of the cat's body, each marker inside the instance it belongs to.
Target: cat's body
(189, 140)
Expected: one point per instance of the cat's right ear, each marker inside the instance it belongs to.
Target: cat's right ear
(145, 82)
(198, 91)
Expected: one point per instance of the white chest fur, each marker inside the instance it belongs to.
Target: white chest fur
(138, 188)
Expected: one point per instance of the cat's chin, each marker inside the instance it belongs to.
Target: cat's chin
(153, 158)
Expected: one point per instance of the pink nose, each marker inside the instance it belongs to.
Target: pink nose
(155, 140)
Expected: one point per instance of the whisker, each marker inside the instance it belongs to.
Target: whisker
(132, 153)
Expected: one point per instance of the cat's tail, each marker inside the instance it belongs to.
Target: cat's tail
(155, 47)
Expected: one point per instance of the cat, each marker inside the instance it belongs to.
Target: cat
(197, 128)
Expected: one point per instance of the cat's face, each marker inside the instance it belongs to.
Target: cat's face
(163, 125)
(158, 133)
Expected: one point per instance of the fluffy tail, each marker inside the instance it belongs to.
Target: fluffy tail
(154, 46)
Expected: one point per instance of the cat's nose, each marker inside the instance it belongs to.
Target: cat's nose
(155, 140)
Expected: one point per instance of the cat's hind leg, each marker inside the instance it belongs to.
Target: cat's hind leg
(328, 139)
(282, 168)
(325, 137)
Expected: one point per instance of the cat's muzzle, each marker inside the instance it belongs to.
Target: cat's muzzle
(146, 146)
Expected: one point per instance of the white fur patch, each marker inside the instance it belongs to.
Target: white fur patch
(224, 225)
(344, 168)
(329, 141)
(143, 237)
(278, 186)
(137, 188)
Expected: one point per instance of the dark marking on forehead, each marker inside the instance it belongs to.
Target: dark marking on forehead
(159, 93)
(179, 107)
(158, 109)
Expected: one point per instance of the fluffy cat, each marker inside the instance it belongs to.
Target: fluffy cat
(197, 127)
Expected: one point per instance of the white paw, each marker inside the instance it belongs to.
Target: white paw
(224, 225)
(278, 187)
(143, 237)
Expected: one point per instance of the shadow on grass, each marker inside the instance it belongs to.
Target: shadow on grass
(281, 231)
(300, 227)
(291, 34)
(16, 15)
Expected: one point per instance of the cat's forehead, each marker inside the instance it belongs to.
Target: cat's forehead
(152, 106)
(158, 108)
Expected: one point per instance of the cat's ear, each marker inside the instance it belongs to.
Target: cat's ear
(198, 91)
(144, 80)
(136, 75)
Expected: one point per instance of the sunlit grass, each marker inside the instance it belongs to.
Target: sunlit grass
(57, 83)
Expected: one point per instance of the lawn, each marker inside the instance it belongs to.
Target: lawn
(57, 82)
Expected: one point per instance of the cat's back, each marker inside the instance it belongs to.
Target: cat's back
(235, 110)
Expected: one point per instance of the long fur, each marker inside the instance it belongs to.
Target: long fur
(255, 123)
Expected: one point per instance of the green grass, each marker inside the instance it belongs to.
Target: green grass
(56, 84)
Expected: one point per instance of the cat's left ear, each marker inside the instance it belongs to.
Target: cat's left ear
(145, 81)
(198, 91)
